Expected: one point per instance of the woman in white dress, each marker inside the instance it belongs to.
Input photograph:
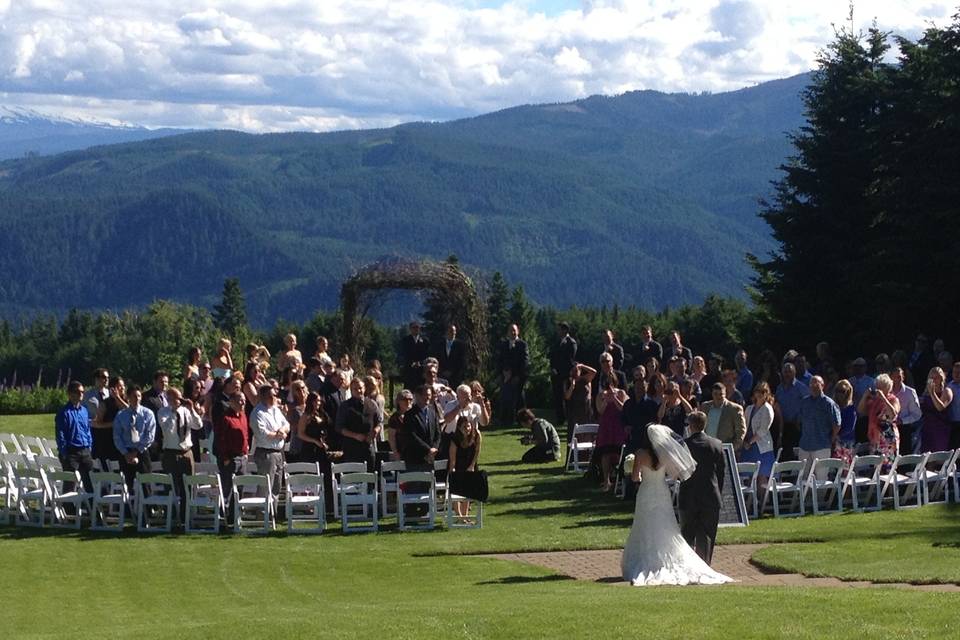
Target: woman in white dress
(656, 553)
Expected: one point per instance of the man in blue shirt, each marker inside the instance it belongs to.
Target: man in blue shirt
(861, 382)
(744, 375)
(789, 395)
(819, 425)
(74, 438)
(134, 429)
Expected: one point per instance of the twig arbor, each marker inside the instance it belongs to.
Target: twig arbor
(449, 289)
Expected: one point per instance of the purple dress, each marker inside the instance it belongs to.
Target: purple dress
(935, 435)
(612, 434)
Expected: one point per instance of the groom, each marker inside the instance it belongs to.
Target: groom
(700, 494)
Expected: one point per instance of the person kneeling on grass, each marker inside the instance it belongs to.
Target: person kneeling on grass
(543, 436)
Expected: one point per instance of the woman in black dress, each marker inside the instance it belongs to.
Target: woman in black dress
(103, 447)
(464, 453)
(312, 430)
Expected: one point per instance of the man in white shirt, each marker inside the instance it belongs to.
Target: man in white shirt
(270, 430)
(97, 394)
(462, 405)
(176, 422)
(910, 413)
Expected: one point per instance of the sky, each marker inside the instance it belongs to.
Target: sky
(321, 65)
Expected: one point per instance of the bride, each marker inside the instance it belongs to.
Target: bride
(655, 552)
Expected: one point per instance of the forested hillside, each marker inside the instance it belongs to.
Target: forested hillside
(646, 199)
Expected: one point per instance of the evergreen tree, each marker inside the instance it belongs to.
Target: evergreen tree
(524, 315)
(230, 316)
(498, 316)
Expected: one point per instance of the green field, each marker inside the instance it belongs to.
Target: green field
(415, 585)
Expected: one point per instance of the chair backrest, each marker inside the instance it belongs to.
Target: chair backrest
(105, 481)
(357, 479)
(155, 478)
(439, 465)
(55, 480)
(305, 484)
(907, 465)
(787, 468)
(205, 468)
(348, 467)
(588, 429)
(943, 460)
(415, 476)
(392, 466)
(49, 463)
(251, 482)
(32, 444)
(50, 446)
(871, 463)
(747, 472)
(9, 443)
(826, 464)
(296, 468)
(211, 480)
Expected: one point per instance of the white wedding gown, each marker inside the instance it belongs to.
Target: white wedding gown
(656, 553)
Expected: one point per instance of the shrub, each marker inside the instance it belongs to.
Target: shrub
(31, 400)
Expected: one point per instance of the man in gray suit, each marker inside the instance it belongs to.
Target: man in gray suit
(699, 498)
(724, 418)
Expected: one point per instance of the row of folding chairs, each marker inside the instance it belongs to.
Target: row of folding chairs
(30, 446)
(831, 485)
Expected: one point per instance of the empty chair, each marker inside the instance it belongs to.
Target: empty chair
(417, 492)
(830, 488)
(357, 495)
(864, 475)
(294, 468)
(8, 488)
(748, 472)
(66, 490)
(204, 503)
(110, 501)
(337, 470)
(305, 502)
(440, 471)
(47, 463)
(205, 468)
(50, 446)
(253, 493)
(904, 481)
(33, 446)
(786, 481)
(466, 520)
(936, 476)
(33, 496)
(159, 497)
(388, 485)
(9, 443)
(580, 447)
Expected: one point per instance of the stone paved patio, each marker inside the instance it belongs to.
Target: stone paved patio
(732, 560)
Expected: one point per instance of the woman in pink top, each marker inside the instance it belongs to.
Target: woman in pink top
(881, 408)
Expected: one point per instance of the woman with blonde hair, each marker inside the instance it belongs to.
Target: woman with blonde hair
(935, 405)
(846, 446)
(223, 361)
(292, 356)
(882, 407)
(699, 369)
(758, 443)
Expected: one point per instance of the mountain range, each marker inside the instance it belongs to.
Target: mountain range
(645, 199)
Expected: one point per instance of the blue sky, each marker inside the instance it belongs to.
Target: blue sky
(334, 64)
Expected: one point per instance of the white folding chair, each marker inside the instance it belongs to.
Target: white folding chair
(440, 467)
(33, 497)
(9, 443)
(786, 480)
(936, 476)
(416, 489)
(580, 447)
(49, 446)
(63, 496)
(161, 498)
(905, 473)
(253, 493)
(620, 484)
(32, 446)
(156, 466)
(110, 501)
(47, 463)
(388, 484)
(337, 470)
(830, 489)
(205, 469)
(204, 503)
(864, 474)
(955, 474)
(8, 487)
(466, 520)
(357, 495)
(295, 468)
(748, 472)
(305, 502)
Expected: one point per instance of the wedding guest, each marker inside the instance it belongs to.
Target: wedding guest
(677, 349)
(451, 357)
(134, 430)
(270, 430)
(74, 436)
(611, 435)
(638, 374)
(921, 360)
(910, 413)
(729, 379)
(223, 361)
(291, 357)
(846, 445)
(321, 354)
(639, 411)
(819, 425)
(346, 369)
(514, 366)
(725, 420)
(354, 430)
(232, 443)
(294, 411)
(312, 428)
(315, 374)
(543, 436)
(881, 408)
(259, 355)
(674, 409)
(577, 396)
(744, 375)
(420, 435)
(480, 397)
(97, 394)
(657, 387)
(463, 454)
(414, 349)
(155, 399)
(758, 443)
(104, 448)
(714, 374)
(374, 410)
(461, 406)
(789, 395)
(205, 379)
(403, 402)
(177, 422)
(191, 370)
(615, 350)
(699, 370)
(936, 401)
(649, 348)
(563, 358)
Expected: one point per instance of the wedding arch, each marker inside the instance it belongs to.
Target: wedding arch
(449, 290)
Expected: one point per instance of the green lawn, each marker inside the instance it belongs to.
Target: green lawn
(394, 585)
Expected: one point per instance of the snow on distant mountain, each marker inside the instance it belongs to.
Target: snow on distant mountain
(28, 132)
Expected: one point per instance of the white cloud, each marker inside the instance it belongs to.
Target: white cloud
(343, 63)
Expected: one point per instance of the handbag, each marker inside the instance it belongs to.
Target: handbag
(470, 484)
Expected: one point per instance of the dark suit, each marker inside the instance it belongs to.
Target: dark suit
(684, 353)
(413, 351)
(562, 359)
(421, 432)
(699, 498)
(616, 351)
(154, 400)
(652, 350)
(515, 360)
(452, 364)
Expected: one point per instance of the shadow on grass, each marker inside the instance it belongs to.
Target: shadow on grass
(526, 579)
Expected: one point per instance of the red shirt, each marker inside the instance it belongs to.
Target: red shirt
(232, 436)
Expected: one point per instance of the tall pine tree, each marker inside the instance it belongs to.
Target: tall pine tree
(230, 316)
